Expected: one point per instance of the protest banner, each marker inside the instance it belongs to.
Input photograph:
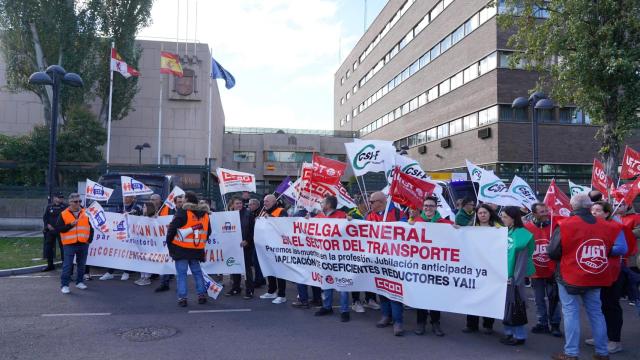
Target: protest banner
(97, 217)
(599, 179)
(370, 156)
(630, 163)
(492, 190)
(138, 243)
(95, 191)
(575, 189)
(133, 187)
(427, 266)
(233, 181)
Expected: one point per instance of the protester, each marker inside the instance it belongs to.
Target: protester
(429, 214)
(246, 196)
(630, 271)
(148, 210)
(485, 216)
(76, 234)
(391, 310)
(543, 280)
(465, 216)
(303, 292)
(581, 244)
(187, 236)
(258, 278)
(329, 205)
(131, 207)
(519, 265)
(271, 209)
(247, 225)
(51, 238)
(165, 279)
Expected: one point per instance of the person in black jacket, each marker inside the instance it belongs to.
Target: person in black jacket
(51, 237)
(247, 224)
(188, 251)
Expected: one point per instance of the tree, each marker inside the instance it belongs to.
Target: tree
(76, 35)
(587, 53)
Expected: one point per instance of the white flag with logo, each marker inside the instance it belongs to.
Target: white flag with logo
(213, 288)
(521, 190)
(133, 187)
(370, 156)
(493, 190)
(97, 217)
(233, 181)
(475, 171)
(408, 166)
(171, 199)
(95, 191)
(575, 189)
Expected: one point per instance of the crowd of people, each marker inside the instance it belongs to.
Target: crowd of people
(557, 257)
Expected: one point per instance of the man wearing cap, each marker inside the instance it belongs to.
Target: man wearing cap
(51, 237)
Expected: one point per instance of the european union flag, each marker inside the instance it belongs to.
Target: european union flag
(218, 72)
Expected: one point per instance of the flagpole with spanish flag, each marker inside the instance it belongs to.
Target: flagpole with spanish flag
(169, 64)
(160, 107)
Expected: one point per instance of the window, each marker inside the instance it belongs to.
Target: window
(348, 74)
(341, 81)
(413, 104)
(470, 73)
(405, 108)
(437, 10)
(435, 52)
(545, 115)
(288, 156)
(445, 87)
(391, 116)
(432, 94)
(567, 116)
(483, 117)
(521, 115)
(421, 25)
(341, 101)
(348, 95)
(455, 126)
(341, 122)
(492, 114)
(422, 99)
(443, 131)
(505, 113)
(457, 35)
(456, 81)
(385, 120)
(414, 67)
(445, 43)
(348, 117)
(391, 85)
(484, 15)
(422, 137)
(487, 64)
(412, 140)
(394, 51)
(432, 134)
(355, 88)
(379, 123)
(470, 121)
(471, 24)
(397, 113)
(398, 79)
(405, 74)
(355, 65)
(407, 39)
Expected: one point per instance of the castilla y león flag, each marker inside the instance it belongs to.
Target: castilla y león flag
(599, 179)
(409, 191)
(117, 64)
(630, 164)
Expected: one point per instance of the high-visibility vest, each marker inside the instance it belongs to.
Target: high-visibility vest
(198, 238)
(276, 212)
(77, 234)
(545, 267)
(585, 250)
(164, 211)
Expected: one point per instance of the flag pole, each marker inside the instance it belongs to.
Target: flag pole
(110, 102)
(186, 32)
(210, 104)
(177, 25)
(160, 110)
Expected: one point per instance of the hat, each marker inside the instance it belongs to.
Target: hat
(58, 194)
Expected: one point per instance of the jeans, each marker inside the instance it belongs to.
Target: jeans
(259, 278)
(79, 251)
(571, 314)
(632, 279)
(545, 309)
(303, 295)
(611, 309)
(181, 277)
(165, 279)
(518, 332)
(327, 302)
(391, 309)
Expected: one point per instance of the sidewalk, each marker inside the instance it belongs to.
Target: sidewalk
(20, 233)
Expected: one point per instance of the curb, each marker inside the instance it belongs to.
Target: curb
(24, 270)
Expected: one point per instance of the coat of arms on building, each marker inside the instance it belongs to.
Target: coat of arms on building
(186, 85)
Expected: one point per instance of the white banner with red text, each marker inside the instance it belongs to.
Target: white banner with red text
(427, 266)
(138, 243)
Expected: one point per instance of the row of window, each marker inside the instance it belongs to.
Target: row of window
(282, 156)
(477, 69)
(431, 15)
(465, 29)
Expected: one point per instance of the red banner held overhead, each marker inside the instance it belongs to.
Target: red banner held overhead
(557, 201)
(634, 191)
(630, 164)
(409, 191)
(327, 171)
(599, 179)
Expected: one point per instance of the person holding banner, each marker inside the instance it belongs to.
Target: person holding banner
(271, 209)
(543, 280)
(519, 266)
(258, 278)
(485, 216)
(464, 216)
(247, 225)
(131, 207)
(76, 234)
(148, 210)
(187, 236)
(165, 279)
(429, 214)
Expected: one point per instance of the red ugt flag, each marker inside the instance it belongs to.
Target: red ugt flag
(557, 201)
(630, 163)
(327, 170)
(634, 191)
(409, 191)
(599, 179)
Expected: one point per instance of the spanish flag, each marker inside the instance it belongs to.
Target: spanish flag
(170, 64)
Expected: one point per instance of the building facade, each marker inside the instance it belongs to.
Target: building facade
(433, 76)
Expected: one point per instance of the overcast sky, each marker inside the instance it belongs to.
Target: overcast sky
(283, 53)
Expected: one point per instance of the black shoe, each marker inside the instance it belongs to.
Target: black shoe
(300, 305)
(248, 295)
(345, 317)
(555, 331)
(420, 329)
(323, 311)
(233, 292)
(511, 341)
(506, 338)
(259, 284)
(540, 329)
(182, 302)
(435, 328)
(487, 331)
(162, 288)
(202, 299)
(315, 303)
(48, 268)
(469, 330)
(154, 276)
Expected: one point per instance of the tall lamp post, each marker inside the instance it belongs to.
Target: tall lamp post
(537, 101)
(55, 75)
(139, 148)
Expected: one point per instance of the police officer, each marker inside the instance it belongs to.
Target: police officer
(51, 237)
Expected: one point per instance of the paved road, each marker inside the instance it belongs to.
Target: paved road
(35, 324)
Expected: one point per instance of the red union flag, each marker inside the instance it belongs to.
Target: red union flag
(327, 170)
(409, 191)
(557, 201)
(630, 163)
(233, 181)
(634, 191)
(599, 179)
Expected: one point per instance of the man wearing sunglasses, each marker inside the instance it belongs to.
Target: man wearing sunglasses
(76, 234)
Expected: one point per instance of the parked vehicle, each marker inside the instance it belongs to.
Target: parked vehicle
(160, 184)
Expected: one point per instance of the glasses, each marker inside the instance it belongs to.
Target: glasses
(75, 201)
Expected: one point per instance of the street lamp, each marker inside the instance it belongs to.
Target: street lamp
(139, 148)
(55, 75)
(537, 101)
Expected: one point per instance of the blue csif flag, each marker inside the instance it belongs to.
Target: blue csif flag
(218, 72)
